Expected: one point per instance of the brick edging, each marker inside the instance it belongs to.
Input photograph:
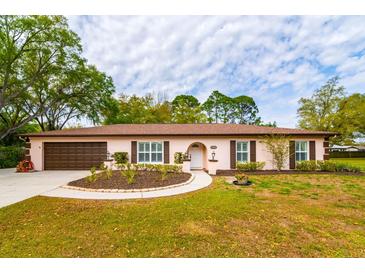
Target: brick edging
(129, 190)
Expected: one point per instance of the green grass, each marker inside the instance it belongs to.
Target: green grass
(278, 216)
(359, 162)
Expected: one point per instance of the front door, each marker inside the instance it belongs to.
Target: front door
(196, 161)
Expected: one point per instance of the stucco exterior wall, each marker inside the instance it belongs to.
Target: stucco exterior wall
(177, 144)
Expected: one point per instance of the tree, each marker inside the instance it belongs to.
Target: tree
(32, 48)
(278, 146)
(319, 111)
(186, 109)
(212, 106)
(222, 108)
(71, 96)
(245, 110)
(350, 119)
(138, 110)
(330, 110)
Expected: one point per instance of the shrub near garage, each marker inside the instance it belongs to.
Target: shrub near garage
(11, 156)
(121, 157)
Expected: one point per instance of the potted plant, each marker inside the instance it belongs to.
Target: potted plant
(25, 166)
(241, 179)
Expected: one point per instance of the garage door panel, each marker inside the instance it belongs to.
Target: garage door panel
(74, 155)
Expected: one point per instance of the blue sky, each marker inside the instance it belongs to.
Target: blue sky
(274, 59)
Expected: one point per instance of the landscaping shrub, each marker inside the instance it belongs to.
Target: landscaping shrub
(11, 156)
(306, 165)
(178, 158)
(121, 157)
(328, 166)
(241, 177)
(108, 172)
(92, 177)
(164, 170)
(129, 172)
(250, 166)
(158, 167)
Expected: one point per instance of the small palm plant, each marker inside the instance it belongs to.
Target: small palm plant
(129, 172)
(164, 170)
(107, 171)
(92, 177)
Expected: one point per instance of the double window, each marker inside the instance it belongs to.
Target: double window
(150, 152)
(301, 151)
(242, 151)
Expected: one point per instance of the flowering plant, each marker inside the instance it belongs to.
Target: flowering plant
(25, 166)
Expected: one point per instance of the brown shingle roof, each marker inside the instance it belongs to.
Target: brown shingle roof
(176, 130)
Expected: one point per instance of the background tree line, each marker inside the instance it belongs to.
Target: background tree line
(218, 108)
(45, 83)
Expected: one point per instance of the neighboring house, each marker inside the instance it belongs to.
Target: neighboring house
(208, 146)
(337, 148)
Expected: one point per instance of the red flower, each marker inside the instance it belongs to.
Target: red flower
(25, 166)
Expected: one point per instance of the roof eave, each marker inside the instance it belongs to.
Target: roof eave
(327, 134)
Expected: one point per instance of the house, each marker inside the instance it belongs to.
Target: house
(337, 148)
(208, 146)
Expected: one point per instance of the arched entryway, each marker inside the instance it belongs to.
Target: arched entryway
(197, 153)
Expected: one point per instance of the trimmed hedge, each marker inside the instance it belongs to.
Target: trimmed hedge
(307, 165)
(250, 166)
(347, 154)
(329, 166)
(11, 156)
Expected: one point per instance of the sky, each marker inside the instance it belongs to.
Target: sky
(274, 59)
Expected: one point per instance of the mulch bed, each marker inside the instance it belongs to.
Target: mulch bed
(232, 172)
(143, 179)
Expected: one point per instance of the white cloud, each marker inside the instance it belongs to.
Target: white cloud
(275, 59)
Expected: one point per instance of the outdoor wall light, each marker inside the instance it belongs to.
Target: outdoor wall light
(108, 155)
(213, 155)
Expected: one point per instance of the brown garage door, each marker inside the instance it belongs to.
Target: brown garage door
(74, 155)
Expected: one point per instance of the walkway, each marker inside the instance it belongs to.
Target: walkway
(201, 180)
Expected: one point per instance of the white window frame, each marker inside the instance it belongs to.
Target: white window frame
(301, 151)
(248, 150)
(150, 152)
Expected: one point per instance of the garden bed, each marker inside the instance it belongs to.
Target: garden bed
(143, 180)
(232, 172)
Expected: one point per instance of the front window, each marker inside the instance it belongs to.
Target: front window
(242, 152)
(149, 152)
(301, 151)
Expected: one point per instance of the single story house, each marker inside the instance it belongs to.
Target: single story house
(209, 146)
(337, 148)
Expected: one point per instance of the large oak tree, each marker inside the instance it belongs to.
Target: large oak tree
(43, 77)
(329, 109)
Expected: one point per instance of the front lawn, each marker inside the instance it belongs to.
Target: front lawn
(279, 216)
(359, 162)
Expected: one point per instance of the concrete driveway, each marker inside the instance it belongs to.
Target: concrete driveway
(15, 187)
